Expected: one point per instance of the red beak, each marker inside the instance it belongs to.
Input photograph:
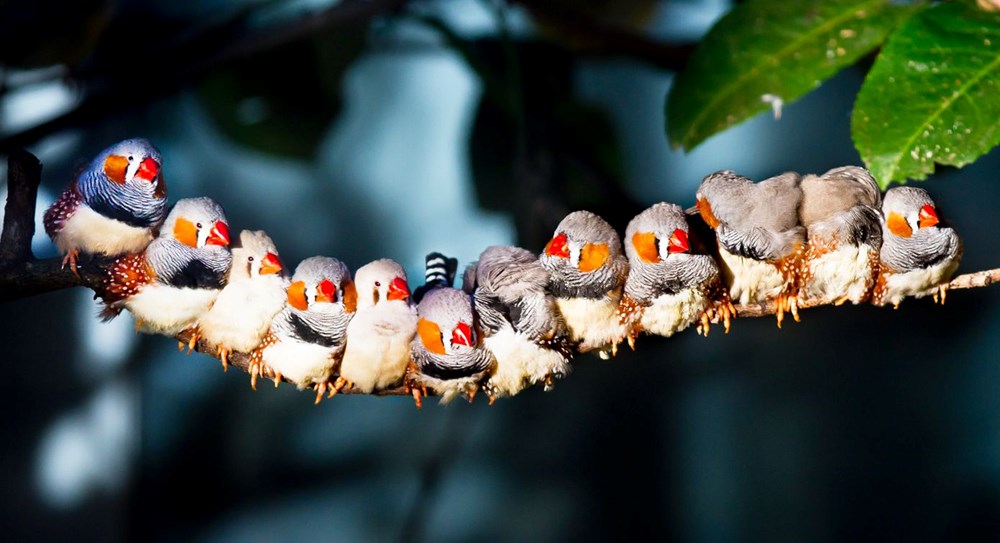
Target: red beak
(927, 217)
(219, 235)
(326, 291)
(148, 170)
(270, 264)
(398, 289)
(557, 247)
(679, 242)
(462, 335)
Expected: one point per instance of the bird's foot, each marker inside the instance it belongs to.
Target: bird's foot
(840, 301)
(256, 367)
(941, 293)
(193, 342)
(320, 391)
(277, 378)
(470, 393)
(549, 383)
(417, 398)
(631, 337)
(224, 357)
(339, 384)
(70, 259)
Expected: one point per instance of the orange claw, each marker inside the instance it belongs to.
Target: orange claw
(415, 392)
(70, 259)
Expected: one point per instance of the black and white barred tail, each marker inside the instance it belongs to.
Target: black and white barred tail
(439, 271)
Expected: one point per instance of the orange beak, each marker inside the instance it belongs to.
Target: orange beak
(927, 217)
(219, 235)
(557, 247)
(270, 265)
(148, 170)
(398, 289)
(326, 291)
(679, 242)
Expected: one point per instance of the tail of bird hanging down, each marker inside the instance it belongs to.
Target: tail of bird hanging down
(439, 271)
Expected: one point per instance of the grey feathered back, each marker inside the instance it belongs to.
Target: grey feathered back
(836, 191)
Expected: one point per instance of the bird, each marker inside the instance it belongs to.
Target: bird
(521, 324)
(448, 356)
(670, 284)
(379, 335)
(253, 295)
(759, 237)
(113, 207)
(177, 278)
(306, 340)
(840, 211)
(588, 271)
(919, 252)
(439, 271)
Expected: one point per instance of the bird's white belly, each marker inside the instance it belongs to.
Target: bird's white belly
(304, 364)
(378, 348)
(750, 280)
(93, 233)
(671, 313)
(521, 363)
(918, 283)
(594, 323)
(169, 310)
(846, 271)
(242, 314)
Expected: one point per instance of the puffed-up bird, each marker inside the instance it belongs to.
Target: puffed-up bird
(113, 207)
(670, 286)
(919, 253)
(306, 340)
(840, 212)
(448, 355)
(760, 240)
(254, 293)
(588, 271)
(379, 335)
(521, 323)
(177, 278)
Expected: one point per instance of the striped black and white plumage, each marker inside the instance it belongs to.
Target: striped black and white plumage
(840, 211)
(760, 240)
(520, 320)
(114, 206)
(439, 271)
(588, 269)
(253, 295)
(669, 286)
(306, 340)
(179, 275)
(919, 253)
(448, 353)
(379, 335)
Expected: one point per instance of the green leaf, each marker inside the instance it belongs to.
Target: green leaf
(933, 94)
(762, 50)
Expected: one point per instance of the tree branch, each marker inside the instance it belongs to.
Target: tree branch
(21, 275)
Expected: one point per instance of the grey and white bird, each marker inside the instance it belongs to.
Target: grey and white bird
(588, 271)
(521, 323)
(670, 285)
(306, 340)
(448, 355)
(178, 277)
(760, 240)
(254, 293)
(379, 335)
(919, 253)
(840, 211)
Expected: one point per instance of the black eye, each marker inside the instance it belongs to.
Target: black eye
(130, 158)
(198, 226)
(249, 259)
(377, 284)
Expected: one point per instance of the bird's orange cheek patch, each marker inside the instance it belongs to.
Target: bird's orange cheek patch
(115, 167)
(186, 232)
(645, 247)
(430, 336)
(898, 225)
(297, 296)
(593, 256)
(350, 297)
(705, 209)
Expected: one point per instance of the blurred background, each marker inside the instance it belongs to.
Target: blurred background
(371, 128)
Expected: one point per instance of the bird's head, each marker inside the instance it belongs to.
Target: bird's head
(322, 284)
(908, 210)
(446, 324)
(255, 256)
(583, 241)
(197, 223)
(383, 280)
(656, 233)
(133, 162)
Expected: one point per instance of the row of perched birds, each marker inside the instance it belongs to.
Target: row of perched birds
(519, 318)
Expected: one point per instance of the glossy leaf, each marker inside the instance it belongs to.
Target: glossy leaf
(764, 51)
(932, 95)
